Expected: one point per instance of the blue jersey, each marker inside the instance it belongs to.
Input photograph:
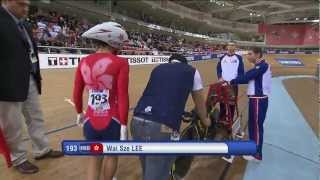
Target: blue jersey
(257, 78)
(230, 66)
(166, 94)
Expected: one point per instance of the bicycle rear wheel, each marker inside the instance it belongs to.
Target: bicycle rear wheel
(212, 130)
(182, 164)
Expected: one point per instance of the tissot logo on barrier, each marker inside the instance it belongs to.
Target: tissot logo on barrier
(160, 59)
(290, 62)
(138, 60)
(63, 61)
(59, 60)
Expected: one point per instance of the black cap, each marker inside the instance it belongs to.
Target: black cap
(178, 57)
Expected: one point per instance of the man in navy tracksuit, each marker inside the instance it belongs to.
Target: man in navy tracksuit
(229, 67)
(259, 88)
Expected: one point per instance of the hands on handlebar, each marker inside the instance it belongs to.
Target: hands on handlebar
(192, 116)
(188, 117)
(224, 82)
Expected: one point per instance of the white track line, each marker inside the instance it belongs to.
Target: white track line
(71, 103)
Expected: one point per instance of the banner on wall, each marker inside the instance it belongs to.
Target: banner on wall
(52, 61)
(140, 60)
(291, 34)
(49, 61)
(290, 62)
(292, 52)
(58, 61)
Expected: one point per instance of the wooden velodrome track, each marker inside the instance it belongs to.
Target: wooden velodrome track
(60, 116)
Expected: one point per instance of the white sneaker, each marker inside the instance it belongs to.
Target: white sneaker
(251, 158)
(229, 159)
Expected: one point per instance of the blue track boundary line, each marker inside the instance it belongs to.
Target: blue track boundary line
(282, 154)
(292, 153)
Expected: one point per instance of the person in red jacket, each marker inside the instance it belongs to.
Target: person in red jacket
(105, 77)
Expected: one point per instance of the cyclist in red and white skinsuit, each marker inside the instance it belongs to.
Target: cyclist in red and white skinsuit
(105, 76)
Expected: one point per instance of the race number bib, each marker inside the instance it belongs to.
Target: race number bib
(99, 100)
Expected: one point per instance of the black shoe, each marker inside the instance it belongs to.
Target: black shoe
(50, 154)
(27, 168)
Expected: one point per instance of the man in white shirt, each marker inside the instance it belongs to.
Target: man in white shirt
(229, 67)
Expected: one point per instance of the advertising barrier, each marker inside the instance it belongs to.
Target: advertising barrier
(292, 52)
(58, 61)
(290, 62)
(139, 60)
(49, 61)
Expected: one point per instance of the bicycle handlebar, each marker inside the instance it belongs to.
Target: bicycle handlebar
(188, 117)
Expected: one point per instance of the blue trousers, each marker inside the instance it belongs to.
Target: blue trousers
(153, 167)
(257, 113)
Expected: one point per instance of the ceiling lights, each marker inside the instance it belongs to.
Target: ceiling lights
(254, 14)
(218, 2)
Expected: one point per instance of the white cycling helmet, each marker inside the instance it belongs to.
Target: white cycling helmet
(111, 33)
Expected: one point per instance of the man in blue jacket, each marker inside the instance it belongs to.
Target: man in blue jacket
(158, 114)
(259, 88)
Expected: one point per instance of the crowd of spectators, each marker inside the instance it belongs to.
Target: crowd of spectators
(54, 29)
(156, 42)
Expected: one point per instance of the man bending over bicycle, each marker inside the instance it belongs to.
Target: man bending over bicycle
(158, 114)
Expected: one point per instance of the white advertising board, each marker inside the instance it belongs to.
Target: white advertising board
(57, 61)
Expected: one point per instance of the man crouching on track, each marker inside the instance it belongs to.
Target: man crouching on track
(105, 76)
(259, 87)
(158, 114)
